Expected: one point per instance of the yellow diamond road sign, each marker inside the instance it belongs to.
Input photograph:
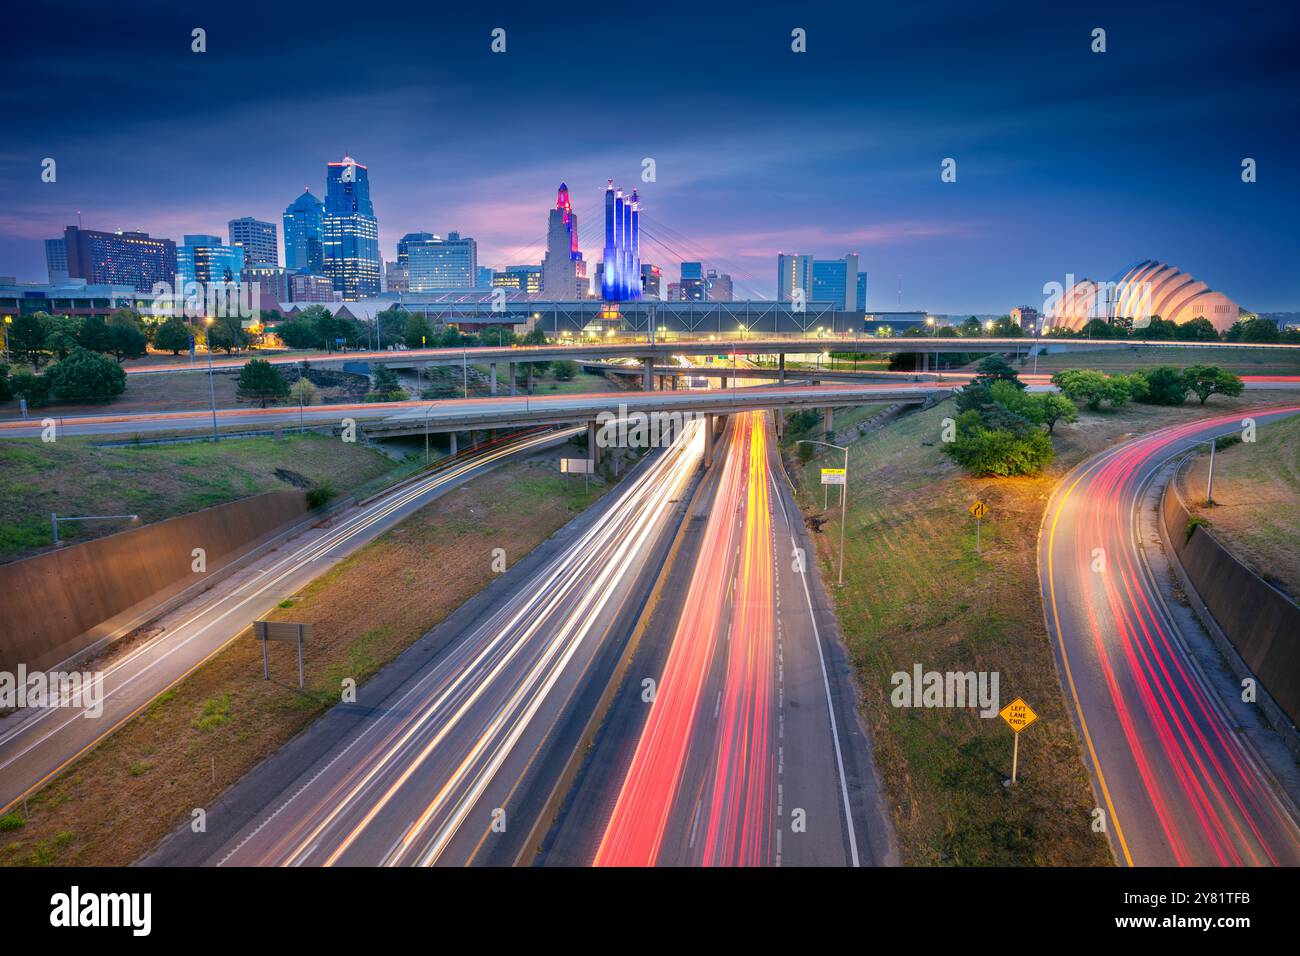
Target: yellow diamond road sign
(978, 510)
(1018, 715)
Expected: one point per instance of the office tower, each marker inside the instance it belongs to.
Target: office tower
(621, 273)
(309, 287)
(836, 281)
(351, 243)
(119, 258)
(717, 286)
(56, 260)
(692, 282)
(204, 259)
(651, 277)
(563, 262)
(526, 279)
(862, 291)
(404, 245)
(434, 264)
(674, 292)
(257, 239)
(484, 278)
(395, 278)
(272, 281)
(793, 272)
(304, 234)
(1027, 317)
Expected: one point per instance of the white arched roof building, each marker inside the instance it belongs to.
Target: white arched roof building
(1148, 288)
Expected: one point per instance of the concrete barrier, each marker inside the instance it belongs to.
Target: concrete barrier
(1261, 623)
(63, 604)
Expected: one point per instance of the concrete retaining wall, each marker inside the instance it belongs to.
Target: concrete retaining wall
(1260, 622)
(58, 605)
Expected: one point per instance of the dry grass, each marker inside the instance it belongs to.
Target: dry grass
(118, 801)
(917, 592)
(1256, 511)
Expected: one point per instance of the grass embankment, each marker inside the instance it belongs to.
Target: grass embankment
(917, 592)
(1126, 359)
(72, 476)
(118, 801)
(1256, 511)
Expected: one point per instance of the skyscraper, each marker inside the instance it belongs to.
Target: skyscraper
(351, 232)
(561, 266)
(621, 272)
(435, 264)
(257, 239)
(651, 277)
(204, 259)
(119, 258)
(836, 281)
(692, 282)
(717, 286)
(304, 234)
(56, 260)
(793, 272)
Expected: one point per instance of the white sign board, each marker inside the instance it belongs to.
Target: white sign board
(575, 466)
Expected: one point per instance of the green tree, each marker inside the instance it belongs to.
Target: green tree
(1101, 329)
(173, 336)
(329, 327)
(1199, 329)
(6, 391)
(227, 334)
(86, 376)
(1165, 385)
(298, 332)
(995, 368)
(26, 338)
(1158, 330)
(94, 334)
(392, 324)
(1251, 328)
(1004, 328)
(27, 385)
(566, 370)
(971, 328)
(1056, 408)
(998, 452)
(304, 392)
(1092, 387)
(261, 382)
(60, 333)
(1207, 380)
(416, 333)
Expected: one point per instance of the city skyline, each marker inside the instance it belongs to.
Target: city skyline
(1080, 164)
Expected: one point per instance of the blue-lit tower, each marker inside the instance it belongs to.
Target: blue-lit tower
(621, 271)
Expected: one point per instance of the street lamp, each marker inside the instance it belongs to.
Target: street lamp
(212, 388)
(55, 519)
(844, 488)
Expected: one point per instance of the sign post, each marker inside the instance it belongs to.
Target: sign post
(281, 631)
(978, 510)
(578, 466)
(1018, 716)
(832, 476)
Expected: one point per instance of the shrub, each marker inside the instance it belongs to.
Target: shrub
(318, 496)
(1207, 380)
(261, 382)
(1165, 385)
(1092, 387)
(85, 375)
(998, 451)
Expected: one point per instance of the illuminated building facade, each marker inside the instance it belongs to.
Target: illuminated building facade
(119, 258)
(562, 268)
(351, 244)
(620, 279)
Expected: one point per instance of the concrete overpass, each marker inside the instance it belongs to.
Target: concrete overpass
(473, 415)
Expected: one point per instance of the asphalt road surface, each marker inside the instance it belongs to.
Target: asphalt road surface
(439, 769)
(37, 743)
(1179, 783)
(747, 756)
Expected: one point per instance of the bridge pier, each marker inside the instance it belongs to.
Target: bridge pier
(530, 378)
(649, 362)
(492, 378)
(828, 420)
(708, 440)
(510, 367)
(780, 377)
(593, 446)
(779, 415)
(451, 443)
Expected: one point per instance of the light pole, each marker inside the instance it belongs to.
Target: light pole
(55, 519)
(929, 320)
(212, 388)
(1209, 481)
(844, 488)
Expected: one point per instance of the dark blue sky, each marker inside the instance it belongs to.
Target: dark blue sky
(1067, 161)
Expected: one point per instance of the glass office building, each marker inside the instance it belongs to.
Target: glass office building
(351, 239)
(304, 234)
(434, 264)
(205, 259)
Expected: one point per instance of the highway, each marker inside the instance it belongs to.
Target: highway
(36, 744)
(414, 417)
(444, 765)
(1171, 762)
(741, 759)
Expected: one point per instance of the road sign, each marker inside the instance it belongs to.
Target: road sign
(978, 510)
(575, 466)
(833, 476)
(280, 631)
(1018, 715)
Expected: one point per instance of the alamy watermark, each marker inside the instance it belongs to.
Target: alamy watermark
(639, 429)
(51, 689)
(953, 689)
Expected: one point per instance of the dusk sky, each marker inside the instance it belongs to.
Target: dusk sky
(1067, 161)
